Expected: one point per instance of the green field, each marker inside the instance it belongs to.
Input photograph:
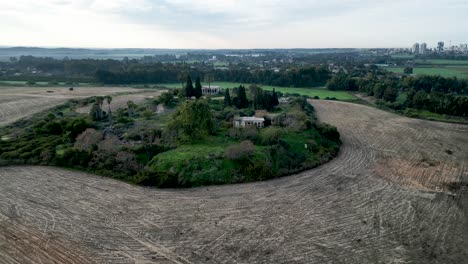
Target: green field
(403, 56)
(321, 92)
(442, 62)
(460, 72)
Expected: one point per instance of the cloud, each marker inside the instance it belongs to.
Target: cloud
(231, 23)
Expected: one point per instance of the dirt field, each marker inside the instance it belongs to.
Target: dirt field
(120, 101)
(388, 197)
(19, 102)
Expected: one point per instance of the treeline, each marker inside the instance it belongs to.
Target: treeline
(435, 84)
(439, 103)
(303, 77)
(142, 72)
(433, 93)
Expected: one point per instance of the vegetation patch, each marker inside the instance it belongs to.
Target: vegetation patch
(180, 139)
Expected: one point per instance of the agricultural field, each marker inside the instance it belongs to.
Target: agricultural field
(41, 84)
(321, 92)
(460, 72)
(20, 102)
(443, 62)
(396, 193)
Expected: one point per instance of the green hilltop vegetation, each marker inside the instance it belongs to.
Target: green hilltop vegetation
(181, 139)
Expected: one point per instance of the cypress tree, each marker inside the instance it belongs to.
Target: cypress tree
(241, 99)
(189, 91)
(198, 88)
(275, 98)
(227, 98)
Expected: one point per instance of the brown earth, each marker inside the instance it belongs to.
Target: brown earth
(20, 102)
(395, 194)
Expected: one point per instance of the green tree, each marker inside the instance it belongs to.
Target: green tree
(198, 88)
(241, 100)
(275, 98)
(189, 91)
(227, 98)
(166, 98)
(408, 70)
(192, 120)
(131, 106)
(109, 101)
(390, 94)
(209, 78)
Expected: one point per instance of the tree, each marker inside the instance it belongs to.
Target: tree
(166, 98)
(96, 112)
(189, 91)
(390, 94)
(109, 101)
(131, 108)
(198, 89)
(241, 100)
(192, 120)
(408, 70)
(275, 98)
(100, 102)
(182, 77)
(209, 78)
(227, 98)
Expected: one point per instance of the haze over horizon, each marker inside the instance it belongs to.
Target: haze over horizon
(231, 24)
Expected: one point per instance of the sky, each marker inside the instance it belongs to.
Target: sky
(232, 24)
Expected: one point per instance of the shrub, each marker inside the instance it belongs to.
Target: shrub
(250, 133)
(240, 151)
(87, 140)
(330, 132)
(270, 135)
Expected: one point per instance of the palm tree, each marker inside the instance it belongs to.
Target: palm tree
(109, 100)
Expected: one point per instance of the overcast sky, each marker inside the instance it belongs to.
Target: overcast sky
(214, 24)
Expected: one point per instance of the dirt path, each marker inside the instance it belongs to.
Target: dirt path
(384, 199)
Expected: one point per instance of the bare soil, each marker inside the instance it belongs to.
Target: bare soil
(395, 194)
(20, 102)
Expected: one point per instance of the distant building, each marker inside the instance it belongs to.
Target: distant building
(211, 90)
(423, 48)
(242, 122)
(415, 48)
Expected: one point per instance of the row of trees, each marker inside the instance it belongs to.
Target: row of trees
(261, 99)
(302, 77)
(189, 91)
(438, 84)
(440, 103)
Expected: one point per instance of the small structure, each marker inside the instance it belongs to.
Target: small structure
(211, 90)
(249, 121)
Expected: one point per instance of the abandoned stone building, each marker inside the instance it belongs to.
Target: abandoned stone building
(247, 121)
(211, 90)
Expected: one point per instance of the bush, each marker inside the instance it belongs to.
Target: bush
(271, 135)
(240, 151)
(249, 133)
(316, 97)
(330, 132)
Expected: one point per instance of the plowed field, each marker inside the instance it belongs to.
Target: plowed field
(395, 194)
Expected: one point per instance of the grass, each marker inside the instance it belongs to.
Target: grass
(321, 92)
(403, 56)
(442, 62)
(459, 71)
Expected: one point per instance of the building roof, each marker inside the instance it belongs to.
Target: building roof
(212, 87)
(250, 118)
